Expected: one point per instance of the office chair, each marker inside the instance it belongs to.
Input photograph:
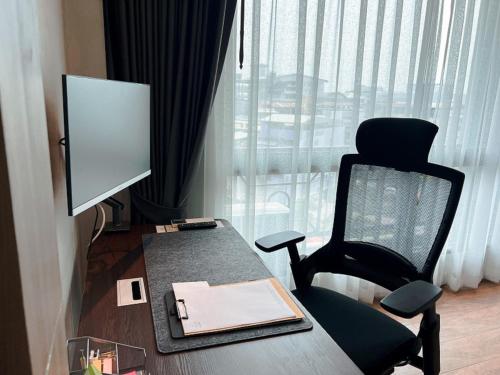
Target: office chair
(392, 216)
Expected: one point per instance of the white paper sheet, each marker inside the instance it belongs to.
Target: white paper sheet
(212, 308)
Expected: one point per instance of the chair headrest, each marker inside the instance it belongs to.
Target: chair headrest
(403, 142)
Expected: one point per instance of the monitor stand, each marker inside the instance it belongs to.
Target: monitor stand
(116, 225)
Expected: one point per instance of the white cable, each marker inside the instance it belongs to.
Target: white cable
(102, 224)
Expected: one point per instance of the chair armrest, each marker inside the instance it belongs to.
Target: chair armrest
(279, 240)
(412, 299)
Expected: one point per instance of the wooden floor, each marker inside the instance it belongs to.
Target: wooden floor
(470, 332)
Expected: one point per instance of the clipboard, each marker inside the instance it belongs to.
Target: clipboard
(177, 310)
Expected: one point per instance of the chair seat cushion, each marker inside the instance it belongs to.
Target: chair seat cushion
(370, 338)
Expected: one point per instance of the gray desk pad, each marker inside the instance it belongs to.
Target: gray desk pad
(219, 256)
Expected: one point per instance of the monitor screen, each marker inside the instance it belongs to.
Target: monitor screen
(107, 127)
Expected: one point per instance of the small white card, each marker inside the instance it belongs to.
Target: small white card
(125, 294)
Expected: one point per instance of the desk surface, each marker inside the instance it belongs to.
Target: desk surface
(120, 256)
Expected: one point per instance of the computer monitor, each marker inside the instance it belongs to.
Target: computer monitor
(107, 139)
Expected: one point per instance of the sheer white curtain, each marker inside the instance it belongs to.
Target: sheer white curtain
(313, 71)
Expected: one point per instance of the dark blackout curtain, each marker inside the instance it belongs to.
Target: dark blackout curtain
(178, 47)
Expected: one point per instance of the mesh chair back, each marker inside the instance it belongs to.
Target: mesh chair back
(394, 209)
(399, 210)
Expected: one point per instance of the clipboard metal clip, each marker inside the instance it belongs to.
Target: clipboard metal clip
(184, 308)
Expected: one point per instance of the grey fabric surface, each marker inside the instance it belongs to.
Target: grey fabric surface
(219, 256)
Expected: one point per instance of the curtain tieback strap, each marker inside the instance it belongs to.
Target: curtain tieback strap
(242, 31)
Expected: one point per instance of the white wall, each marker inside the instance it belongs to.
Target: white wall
(85, 56)
(45, 249)
(52, 59)
(29, 177)
(84, 38)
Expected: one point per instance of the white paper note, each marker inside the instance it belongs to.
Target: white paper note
(212, 308)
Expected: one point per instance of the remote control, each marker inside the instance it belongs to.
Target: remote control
(201, 225)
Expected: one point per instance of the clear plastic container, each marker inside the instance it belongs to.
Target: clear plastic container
(93, 356)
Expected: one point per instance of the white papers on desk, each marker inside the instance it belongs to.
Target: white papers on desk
(233, 306)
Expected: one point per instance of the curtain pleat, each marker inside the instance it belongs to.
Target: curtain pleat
(178, 47)
(376, 59)
(394, 57)
(410, 88)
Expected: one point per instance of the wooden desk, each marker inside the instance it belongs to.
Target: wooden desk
(120, 256)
